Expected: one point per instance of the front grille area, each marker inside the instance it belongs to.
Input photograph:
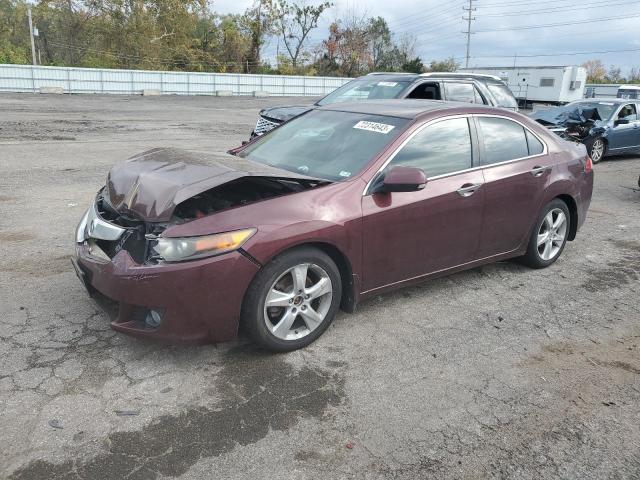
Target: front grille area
(264, 125)
(133, 240)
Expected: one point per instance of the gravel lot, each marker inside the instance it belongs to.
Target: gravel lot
(498, 372)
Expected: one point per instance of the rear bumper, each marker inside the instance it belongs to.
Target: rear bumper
(199, 301)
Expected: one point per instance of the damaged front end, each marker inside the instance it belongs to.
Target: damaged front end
(576, 123)
(165, 187)
(178, 289)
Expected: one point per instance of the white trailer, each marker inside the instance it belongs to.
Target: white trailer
(555, 85)
(601, 90)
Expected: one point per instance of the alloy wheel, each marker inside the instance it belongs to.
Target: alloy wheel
(552, 234)
(298, 301)
(597, 150)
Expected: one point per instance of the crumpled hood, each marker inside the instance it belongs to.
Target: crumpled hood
(567, 116)
(283, 114)
(149, 185)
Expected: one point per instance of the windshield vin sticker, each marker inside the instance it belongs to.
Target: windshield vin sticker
(387, 84)
(374, 127)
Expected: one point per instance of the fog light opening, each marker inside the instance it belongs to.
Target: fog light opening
(153, 319)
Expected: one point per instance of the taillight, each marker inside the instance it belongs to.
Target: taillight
(588, 165)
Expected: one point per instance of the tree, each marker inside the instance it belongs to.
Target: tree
(596, 72)
(294, 22)
(413, 66)
(448, 65)
(614, 75)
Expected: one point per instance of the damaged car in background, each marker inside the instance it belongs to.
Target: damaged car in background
(339, 205)
(605, 127)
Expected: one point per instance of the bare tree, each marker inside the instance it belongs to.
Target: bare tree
(294, 22)
(596, 71)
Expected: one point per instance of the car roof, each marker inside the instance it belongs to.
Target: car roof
(603, 100)
(409, 109)
(412, 77)
(629, 87)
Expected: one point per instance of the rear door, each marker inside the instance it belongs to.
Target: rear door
(516, 170)
(459, 91)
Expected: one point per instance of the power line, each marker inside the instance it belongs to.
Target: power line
(562, 24)
(427, 16)
(564, 54)
(585, 6)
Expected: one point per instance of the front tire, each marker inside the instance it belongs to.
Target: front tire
(597, 149)
(292, 300)
(549, 236)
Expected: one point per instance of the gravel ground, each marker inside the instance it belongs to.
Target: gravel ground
(498, 372)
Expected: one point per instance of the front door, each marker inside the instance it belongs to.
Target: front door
(410, 234)
(626, 135)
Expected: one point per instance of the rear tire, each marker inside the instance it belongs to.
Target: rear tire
(292, 300)
(549, 235)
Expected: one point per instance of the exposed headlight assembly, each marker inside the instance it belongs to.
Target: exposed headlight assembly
(191, 248)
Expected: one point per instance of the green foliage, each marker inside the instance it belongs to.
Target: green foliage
(413, 66)
(448, 65)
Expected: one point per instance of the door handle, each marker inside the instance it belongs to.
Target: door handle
(468, 189)
(537, 171)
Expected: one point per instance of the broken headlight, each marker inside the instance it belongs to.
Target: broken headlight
(191, 248)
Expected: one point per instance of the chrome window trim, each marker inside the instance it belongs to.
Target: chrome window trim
(545, 149)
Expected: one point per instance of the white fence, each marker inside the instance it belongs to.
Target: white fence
(27, 78)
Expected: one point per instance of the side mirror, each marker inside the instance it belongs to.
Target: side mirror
(621, 121)
(402, 179)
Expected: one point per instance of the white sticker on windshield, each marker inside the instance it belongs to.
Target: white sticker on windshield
(605, 103)
(387, 84)
(374, 127)
(345, 174)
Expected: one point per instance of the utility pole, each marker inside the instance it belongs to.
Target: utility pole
(468, 18)
(33, 43)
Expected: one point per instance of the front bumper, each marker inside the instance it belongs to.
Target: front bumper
(199, 301)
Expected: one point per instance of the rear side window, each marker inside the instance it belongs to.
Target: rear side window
(535, 145)
(462, 92)
(441, 148)
(503, 140)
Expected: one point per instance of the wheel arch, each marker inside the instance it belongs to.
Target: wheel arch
(573, 211)
(349, 297)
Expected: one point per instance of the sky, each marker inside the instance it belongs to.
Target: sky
(503, 29)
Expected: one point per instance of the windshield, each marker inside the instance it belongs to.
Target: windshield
(605, 109)
(326, 144)
(503, 95)
(367, 89)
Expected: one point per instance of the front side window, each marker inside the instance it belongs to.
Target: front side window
(628, 112)
(441, 148)
(326, 144)
(366, 89)
(503, 140)
(462, 92)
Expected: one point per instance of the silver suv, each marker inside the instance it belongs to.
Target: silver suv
(459, 87)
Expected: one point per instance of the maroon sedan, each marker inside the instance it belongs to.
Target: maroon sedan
(342, 203)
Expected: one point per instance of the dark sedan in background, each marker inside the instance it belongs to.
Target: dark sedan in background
(458, 87)
(338, 205)
(605, 126)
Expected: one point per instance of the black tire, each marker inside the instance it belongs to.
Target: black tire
(533, 258)
(252, 317)
(594, 142)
